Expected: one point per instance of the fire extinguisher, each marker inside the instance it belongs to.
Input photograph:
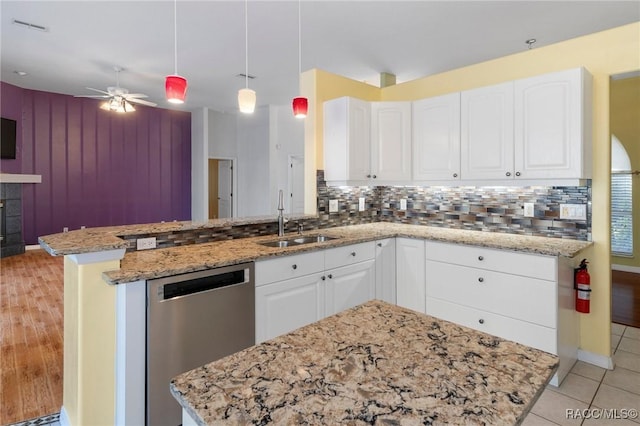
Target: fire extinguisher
(582, 285)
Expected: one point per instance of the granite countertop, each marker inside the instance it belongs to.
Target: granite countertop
(375, 363)
(148, 264)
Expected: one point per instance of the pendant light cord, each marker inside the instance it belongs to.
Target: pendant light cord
(175, 37)
(299, 41)
(246, 44)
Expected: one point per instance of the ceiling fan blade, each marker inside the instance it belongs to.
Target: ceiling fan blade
(98, 90)
(140, 101)
(92, 96)
(136, 95)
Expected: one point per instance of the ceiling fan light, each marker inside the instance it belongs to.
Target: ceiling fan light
(246, 100)
(176, 89)
(300, 107)
(106, 106)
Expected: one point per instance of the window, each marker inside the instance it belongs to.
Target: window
(621, 203)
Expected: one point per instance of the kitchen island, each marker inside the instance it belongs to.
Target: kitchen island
(375, 363)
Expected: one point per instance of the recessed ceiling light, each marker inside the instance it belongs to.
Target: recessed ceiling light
(21, 73)
(29, 25)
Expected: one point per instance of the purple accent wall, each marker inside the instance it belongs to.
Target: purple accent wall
(101, 168)
(11, 107)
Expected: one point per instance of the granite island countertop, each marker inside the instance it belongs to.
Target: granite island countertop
(157, 263)
(376, 363)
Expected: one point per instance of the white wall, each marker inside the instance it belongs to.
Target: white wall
(222, 135)
(286, 137)
(253, 163)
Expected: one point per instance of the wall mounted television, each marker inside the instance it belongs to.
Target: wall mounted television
(7, 139)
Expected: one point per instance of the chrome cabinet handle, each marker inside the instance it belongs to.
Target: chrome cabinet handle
(374, 176)
(517, 173)
(379, 244)
(368, 176)
(455, 175)
(481, 321)
(323, 278)
(481, 279)
(353, 253)
(508, 173)
(330, 276)
(294, 266)
(481, 258)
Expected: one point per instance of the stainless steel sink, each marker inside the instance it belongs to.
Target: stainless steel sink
(297, 241)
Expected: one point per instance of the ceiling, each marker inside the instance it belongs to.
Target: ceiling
(84, 40)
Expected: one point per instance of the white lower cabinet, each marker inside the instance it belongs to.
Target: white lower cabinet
(516, 296)
(293, 291)
(386, 270)
(410, 274)
(349, 286)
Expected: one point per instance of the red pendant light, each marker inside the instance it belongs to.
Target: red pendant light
(300, 104)
(175, 86)
(300, 107)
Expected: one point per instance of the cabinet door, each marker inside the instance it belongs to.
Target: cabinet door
(436, 138)
(391, 141)
(284, 306)
(549, 130)
(349, 286)
(347, 131)
(410, 274)
(386, 270)
(487, 132)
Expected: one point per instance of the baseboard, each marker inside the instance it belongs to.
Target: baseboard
(625, 268)
(64, 419)
(33, 247)
(598, 360)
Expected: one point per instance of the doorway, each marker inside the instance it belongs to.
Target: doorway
(221, 188)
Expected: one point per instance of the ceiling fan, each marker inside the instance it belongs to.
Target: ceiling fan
(118, 99)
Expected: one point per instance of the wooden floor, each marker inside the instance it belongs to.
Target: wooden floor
(31, 325)
(625, 298)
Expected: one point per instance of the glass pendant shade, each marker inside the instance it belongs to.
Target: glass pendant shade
(176, 89)
(300, 107)
(246, 100)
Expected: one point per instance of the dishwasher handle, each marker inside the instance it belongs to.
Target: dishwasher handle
(198, 285)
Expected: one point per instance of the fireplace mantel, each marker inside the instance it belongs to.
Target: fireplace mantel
(19, 178)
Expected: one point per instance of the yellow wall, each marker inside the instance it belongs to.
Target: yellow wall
(602, 54)
(625, 124)
(89, 344)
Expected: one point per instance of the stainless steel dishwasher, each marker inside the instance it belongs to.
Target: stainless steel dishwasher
(193, 319)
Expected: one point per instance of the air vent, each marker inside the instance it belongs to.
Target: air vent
(30, 25)
(243, 75)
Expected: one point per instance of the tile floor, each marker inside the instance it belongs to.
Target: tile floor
(588, 387)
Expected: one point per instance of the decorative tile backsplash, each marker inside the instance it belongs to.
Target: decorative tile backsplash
(496, 209)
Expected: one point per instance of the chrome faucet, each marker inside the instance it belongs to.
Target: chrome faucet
(281, 219)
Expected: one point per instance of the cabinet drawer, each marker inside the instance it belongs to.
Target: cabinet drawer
(527, 265)
(287, 267)
(527, 299)
(348, 255)
(533, 335)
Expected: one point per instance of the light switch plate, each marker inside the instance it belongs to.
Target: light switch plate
(573, 211)
(146, 243)
(529, 209)
(333, 206)
(361, 204)
(403, 204)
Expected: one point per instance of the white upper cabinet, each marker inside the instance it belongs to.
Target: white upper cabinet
(391, 141)
(436, 138)
(347, 139)
(487, 132)
(553, 125)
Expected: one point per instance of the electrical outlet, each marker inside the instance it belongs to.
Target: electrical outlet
(573, 211)
(146, 243)
(361, 204)
(82, 227)
(529, 209)
(403, 204)
(333, 206)
(65, 229)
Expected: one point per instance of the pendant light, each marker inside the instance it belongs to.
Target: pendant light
(175, 85)
(300, 104)
(246, 96)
